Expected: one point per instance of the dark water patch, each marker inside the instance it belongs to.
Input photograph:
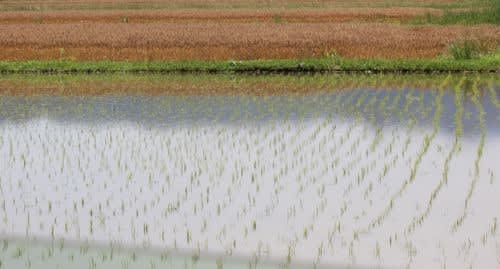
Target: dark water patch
(168, 111)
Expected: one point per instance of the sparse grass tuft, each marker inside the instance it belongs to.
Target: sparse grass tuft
(485, 11)
(277, 19)
(464, 50)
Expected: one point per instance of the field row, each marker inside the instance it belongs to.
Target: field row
(159, 4)
(170, 41)
(208, 15)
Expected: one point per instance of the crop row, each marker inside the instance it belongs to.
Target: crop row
(219, 40)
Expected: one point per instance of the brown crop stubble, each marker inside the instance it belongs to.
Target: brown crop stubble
(206, 15)
(96, 4)
(210, 41)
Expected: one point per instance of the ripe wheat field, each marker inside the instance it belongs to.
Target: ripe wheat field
(221, 40)
(263, 31)
(144, 4)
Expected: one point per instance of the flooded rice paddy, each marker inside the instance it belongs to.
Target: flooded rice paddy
(367, 175)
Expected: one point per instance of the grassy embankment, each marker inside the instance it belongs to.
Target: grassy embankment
(489, 63)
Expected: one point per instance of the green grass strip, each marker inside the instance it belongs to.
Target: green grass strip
(489, 63)
(481, 11)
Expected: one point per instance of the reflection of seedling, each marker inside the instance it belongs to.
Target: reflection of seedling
(290, 254)
(18, 253)
(377, 250)
(188, 236)
(473, 183)
(92, 264)
(195, 257)
(219, 263)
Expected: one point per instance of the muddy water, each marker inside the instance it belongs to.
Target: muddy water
(394, 177)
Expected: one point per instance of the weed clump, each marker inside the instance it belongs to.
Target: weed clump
(485, 11)
(278, 19)
(465, 50)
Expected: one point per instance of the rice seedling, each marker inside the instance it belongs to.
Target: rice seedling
(413, 170)
(482, 124)
(297, 179)
(493, 95)
(458, 134)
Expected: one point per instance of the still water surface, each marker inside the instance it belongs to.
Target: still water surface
(391, 178)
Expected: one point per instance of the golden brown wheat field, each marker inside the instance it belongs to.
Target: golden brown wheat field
(252, 31)
(229, 40)
(211, 15)
(140, 4)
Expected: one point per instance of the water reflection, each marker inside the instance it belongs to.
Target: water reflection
(365, 177)
(377, 107)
